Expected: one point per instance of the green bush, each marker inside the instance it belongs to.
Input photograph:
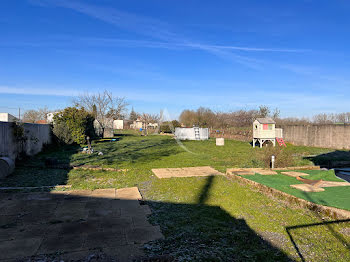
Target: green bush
(73, 125)
(169, 126)
(283, 157)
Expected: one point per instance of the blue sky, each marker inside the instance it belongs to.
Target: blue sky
(176, 55)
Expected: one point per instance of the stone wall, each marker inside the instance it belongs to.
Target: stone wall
(327, 136)
(37, 135)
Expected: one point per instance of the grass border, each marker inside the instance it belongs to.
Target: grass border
(293, 200)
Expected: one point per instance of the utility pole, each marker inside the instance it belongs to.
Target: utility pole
(19, 114)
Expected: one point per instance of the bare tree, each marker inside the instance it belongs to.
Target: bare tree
(264, 111)
(31, 116)
(104, 106)
(149, 119)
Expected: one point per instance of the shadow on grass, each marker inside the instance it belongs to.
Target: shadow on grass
(52, 166)
(327, 224)
(337, 158)
(201, 232)
(48, 168)
(193, 232)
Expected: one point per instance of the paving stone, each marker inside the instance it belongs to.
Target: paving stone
(141, 235)
(100, 212)
(7, 233)
(294, 174)
(84, 227)
(75, 224)
(6, 196)
(140, 221)
(100, 208)
(19, 248)
(109, 193)
(114, 224)
(59, 195)
(71, 210)
(38, 196)
(62, 243)
(79, 195)
(146, 209)
(12, 207)
(6, 220)
(105, 239)
(131, 193)
(185, 172)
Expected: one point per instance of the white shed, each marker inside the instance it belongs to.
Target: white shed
(264, 129)
(194, 133)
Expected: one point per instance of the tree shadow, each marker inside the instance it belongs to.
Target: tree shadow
(202, 232)
(51, 167)
(327, 224)
(196, 232)
(337, 158)
(48, 168)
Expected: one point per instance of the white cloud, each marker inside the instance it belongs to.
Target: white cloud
(37, 91)
(162, 31)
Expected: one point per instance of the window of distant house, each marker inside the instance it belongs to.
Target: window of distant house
(265, 126)
(270, 127)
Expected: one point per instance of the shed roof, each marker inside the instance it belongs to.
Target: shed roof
(266, 120)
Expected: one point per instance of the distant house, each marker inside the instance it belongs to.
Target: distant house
(41, 122)
(6, 117)
(139, 123)
(49, 117)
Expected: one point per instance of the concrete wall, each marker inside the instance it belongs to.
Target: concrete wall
(328, 136)
(37, 135)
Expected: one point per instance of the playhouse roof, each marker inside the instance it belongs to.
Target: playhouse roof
(267, 120)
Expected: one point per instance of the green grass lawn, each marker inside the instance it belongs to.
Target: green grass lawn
(204, 218)
(332, 196)
(139, 154)
(215, 219)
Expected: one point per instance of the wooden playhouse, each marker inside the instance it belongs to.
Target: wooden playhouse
(264, 129)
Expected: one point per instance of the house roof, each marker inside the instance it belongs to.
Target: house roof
(266, 120)
(41, 122)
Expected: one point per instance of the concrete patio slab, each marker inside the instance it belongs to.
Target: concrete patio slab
(130, 193)
(185, 172)
(70, 225)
